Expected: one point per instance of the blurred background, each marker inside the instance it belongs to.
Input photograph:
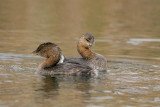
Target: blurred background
(127, 33)
(121, 27)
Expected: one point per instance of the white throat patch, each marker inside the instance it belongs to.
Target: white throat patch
(61, 59)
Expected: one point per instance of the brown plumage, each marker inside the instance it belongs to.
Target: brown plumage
(94, 60)
(50, 66)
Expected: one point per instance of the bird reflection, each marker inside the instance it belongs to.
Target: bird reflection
(50, 84)
(60, 86)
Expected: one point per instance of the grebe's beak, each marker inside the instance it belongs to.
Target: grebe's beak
(90, 44)
(35, 53)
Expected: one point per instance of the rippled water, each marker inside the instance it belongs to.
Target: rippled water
(127, 33)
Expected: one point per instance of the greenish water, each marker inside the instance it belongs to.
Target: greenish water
(126, 32)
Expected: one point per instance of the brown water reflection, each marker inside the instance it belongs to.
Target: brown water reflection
(126, 32)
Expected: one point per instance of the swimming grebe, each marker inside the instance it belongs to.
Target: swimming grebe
(52, 65)
(94, 60)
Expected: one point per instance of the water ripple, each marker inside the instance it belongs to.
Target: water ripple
(137, 41)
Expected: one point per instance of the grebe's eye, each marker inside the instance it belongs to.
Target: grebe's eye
(87, 40)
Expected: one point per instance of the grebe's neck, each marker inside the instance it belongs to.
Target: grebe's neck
(49, 62)
(85, 52)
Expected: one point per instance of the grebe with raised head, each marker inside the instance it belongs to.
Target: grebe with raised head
(94, 60)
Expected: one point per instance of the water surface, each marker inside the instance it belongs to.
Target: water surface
(126, 32)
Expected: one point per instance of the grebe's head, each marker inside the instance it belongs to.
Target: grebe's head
(47, 49)
(87, 40)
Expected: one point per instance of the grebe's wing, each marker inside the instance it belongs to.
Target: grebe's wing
(76, 60)
(67, 68)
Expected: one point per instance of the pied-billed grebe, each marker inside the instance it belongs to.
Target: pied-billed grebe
(52, 65)
(94, 60)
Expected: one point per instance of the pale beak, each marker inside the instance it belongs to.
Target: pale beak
(35, 53)
(90, 44)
